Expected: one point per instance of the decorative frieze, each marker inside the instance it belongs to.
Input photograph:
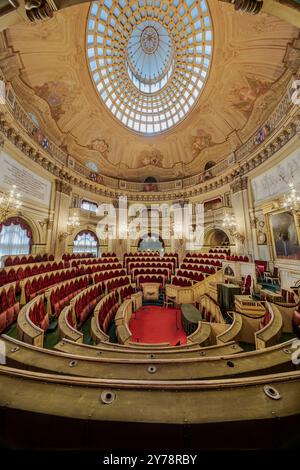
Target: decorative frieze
(43, 158)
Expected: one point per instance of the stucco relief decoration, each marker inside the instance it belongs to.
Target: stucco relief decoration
(275, 181)
(243, 98)
(200, 142)
(150, 157)
(60, 97)
(101, 146)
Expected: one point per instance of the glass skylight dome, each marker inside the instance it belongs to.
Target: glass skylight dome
(149, 59)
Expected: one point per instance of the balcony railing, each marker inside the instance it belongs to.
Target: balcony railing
(24, 120)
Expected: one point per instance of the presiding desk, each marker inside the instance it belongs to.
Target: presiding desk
(190, 316)
(226, 294)
(150, 290)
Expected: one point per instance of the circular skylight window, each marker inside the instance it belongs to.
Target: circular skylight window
(149, 59)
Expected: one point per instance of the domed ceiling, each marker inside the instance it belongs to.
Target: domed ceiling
(149, 88)
(149, 64)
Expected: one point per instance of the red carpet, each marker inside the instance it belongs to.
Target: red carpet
(153, 324)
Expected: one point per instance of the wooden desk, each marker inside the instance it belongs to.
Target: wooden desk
(191, 317)
(226, 294)
(150, 290)
(271, 296)
(248, 306)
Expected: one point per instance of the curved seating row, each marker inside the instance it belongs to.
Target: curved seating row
(93, 268)
(144, 271)
(13, 260)
(191, 273)
(153, 278)
(147, 350)
(32, 322)
(26, 356)
(205, 255)
(194, 265)
(122, 320)
(71, 256)
(210, 310)
(107, 275)
(38, 284)
(182, 281)
(92, 261)
(232, 333)
(59, 296)
(9, 307)
(18, 273)
(271, 328)
(202, 405)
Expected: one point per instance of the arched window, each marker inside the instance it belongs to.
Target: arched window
(15, 237)
(86, 242)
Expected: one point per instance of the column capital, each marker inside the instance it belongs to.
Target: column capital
(63, 187)
(239, 184)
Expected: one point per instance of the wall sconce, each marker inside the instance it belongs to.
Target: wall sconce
(230, 225)
(73, 222)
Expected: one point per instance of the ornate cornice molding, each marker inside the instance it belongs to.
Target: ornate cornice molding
(12, 130)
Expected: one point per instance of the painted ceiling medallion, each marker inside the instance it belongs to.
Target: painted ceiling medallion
(149, 59)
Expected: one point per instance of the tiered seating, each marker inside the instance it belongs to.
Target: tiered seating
(38, 284)
(93, 268)
(10, 260)
(61, 294)
(220, 251)
(190, 256)
(9, 307)
(76, 256)
(94, 261)
(106, 275)
(155, 278)
(182, 282)
(163, 271)
(240, 258)
(107, 311)
(17, 273)
(85, 302)
(149, 258)
(196, 266)
(126, 292)
(116, 283)
(38, 315)
(132, 265)
(210, 310)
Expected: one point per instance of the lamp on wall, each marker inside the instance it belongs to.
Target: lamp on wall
(291, 200)
(73, 222)
(229, 224)
(9, 203)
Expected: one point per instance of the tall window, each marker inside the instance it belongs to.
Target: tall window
(15, 238)
(86, 242)
(89, 206)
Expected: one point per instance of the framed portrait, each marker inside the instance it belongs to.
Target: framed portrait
(284, 235)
